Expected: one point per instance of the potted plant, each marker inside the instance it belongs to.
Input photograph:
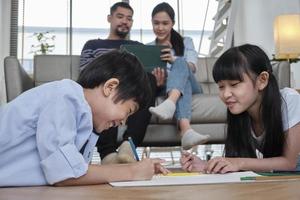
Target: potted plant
(44, 43)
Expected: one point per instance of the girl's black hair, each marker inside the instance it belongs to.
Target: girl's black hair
(176, 38)
(133, 80)
(252, 60)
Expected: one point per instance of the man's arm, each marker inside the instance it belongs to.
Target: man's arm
(87, 54)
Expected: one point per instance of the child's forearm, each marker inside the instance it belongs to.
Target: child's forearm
(266, 164)
(99, 174)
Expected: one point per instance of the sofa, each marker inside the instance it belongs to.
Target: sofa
(208, 112)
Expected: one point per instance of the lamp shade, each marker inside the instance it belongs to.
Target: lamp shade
(287, 36)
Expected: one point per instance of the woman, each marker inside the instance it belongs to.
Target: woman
(181, 83)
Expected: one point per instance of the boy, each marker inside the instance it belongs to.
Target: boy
(47, 132)
(120, 19)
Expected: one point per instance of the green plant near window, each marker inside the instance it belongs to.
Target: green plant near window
(44, 43)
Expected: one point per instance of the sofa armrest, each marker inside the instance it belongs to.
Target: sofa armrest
(282, 72)
(16, 78)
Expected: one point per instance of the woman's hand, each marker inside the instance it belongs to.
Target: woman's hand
(223, 165)
(160, 76)
(192, 163)
(166, 55)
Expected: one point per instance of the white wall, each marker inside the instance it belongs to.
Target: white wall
(254, 24)
(4, 42)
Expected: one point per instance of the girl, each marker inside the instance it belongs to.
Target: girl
(181, 83)
(263, 132)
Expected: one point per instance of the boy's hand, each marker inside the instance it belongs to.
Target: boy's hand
(146, 168)
(159, 168)
(160, 76)
(222, 165)
(192, 163)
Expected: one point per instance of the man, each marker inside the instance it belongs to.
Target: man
(120, 19)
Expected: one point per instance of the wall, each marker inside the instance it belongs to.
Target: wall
(254, 24)
(4, 43)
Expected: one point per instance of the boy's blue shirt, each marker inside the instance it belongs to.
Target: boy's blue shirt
(42, 132)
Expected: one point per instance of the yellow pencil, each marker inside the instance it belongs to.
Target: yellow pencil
(182, 174)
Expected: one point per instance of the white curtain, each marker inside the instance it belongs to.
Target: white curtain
(4, 42)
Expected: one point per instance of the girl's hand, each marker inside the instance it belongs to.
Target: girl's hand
(145, 169)
(191, 163)
(223, 165)
(160, 76)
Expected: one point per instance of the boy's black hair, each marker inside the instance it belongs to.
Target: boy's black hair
(176, 38)
(252, 60)
(125, 67)
(114, 7)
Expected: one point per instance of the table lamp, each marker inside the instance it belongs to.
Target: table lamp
(287, 37)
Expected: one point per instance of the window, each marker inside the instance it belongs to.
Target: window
(193, 22)
(142, 26)
(48, 17)
(68, 24)
(89, 21)
(189, 22)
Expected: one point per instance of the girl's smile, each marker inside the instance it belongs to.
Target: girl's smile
(239, 96)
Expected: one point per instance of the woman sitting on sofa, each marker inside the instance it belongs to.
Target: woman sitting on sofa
(181, 83)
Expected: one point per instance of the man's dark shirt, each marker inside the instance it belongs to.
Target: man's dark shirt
(97, 47)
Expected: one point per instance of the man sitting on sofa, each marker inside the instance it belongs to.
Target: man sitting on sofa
(120, 19)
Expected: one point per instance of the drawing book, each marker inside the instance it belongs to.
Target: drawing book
(192, 179)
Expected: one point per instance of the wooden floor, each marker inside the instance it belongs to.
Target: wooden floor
(245, 191)
(280, 190)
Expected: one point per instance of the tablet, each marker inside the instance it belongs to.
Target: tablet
(149, 55)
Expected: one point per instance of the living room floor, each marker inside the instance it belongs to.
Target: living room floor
(172, 154)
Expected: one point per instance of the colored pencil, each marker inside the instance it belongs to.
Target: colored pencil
(133, 148)
(270, 178)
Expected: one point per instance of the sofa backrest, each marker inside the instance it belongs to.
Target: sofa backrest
(204, 75)
(282, 72)
(55, 67)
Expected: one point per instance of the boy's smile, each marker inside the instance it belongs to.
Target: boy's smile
(106, 112)
(115, 113)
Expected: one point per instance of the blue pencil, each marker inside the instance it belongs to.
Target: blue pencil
(133, 148)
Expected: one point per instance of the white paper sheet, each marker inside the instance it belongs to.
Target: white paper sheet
(188, 180)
